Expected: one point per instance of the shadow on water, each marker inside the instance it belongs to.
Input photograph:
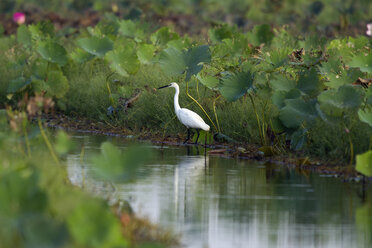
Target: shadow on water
(218, 202)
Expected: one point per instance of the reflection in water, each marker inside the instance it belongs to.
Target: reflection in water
(227, 203)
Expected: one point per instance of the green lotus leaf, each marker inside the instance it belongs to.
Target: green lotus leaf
(42, 30)
(362, 61)
(297, 111)
(95, 45)
(364, 163)
(57, 83)
(236, 85)
(218, 34)
(128, 28)
(334, 101)
(24, 36)
(123, 60)
(17, 84)
(175, 62)
(260, 34)
(81, 56)
(209, 81)
(53, 52)
(309, 82)
(162, 36)
(282, 83)
(279, 97)
(365, 115)
(145, 53)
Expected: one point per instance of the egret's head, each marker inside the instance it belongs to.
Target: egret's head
(174, 85)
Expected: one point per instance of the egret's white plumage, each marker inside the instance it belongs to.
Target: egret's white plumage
(187, 117)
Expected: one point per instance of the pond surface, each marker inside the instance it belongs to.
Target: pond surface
(220, 202)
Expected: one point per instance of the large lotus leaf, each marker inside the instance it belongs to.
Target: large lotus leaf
(218, 34)
(24, 36)
(17, 84)
(209, 81)
(123, 60)
(163, 36)
(95, 45)
(282, 83)
(172, 61)
(194, 57)
(42, 30)
(364, 163)
(131, 29)
(81, 56)
(57, 83)
(309, 82)
(180, 44)
(114, 165)
(236, 85)
(145, 53)
(333, 102)
(92, 224)
(363, 61)
(365, 115)
(279, 97)
(52, 52)
(260, 34)
(176, 62)
(297, 111)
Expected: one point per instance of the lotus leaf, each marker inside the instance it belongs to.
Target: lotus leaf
(52, 52)
(236, 85)
(364, 163)
(123, 60)
(95, 45)
(296, 112)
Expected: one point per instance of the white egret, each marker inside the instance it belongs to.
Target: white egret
(187, 117)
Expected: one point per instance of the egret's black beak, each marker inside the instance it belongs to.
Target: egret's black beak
(165, 86)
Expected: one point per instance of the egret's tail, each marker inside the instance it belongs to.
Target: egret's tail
(206, 127)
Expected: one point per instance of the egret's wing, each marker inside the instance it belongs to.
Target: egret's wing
(191, 119)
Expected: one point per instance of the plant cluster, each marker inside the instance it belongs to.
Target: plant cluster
(290, 86)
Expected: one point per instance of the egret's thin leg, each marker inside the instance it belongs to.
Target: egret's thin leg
(197, 130)
(188, 136)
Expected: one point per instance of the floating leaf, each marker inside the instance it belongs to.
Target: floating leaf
(123, 60)
(236, 85)
(364, 163)
(52, 52)
(95, 45)
(297, 111)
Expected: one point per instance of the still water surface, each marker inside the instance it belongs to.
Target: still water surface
(219, 202)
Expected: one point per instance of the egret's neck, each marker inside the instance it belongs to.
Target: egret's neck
(176, 104)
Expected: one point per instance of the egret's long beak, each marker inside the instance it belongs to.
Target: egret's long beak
(165, 86)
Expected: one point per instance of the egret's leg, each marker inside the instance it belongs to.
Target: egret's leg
(197, 130)
(188, 136)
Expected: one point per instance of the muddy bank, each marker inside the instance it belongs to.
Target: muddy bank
(298, 161)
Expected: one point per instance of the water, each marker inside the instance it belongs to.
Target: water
(220, 202)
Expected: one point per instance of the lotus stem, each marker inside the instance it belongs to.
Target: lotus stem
(257, 118)
(46, 140)
(215, 113)
(26, 140)
(187, 92)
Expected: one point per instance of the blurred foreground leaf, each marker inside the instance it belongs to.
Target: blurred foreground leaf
(364, 163)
